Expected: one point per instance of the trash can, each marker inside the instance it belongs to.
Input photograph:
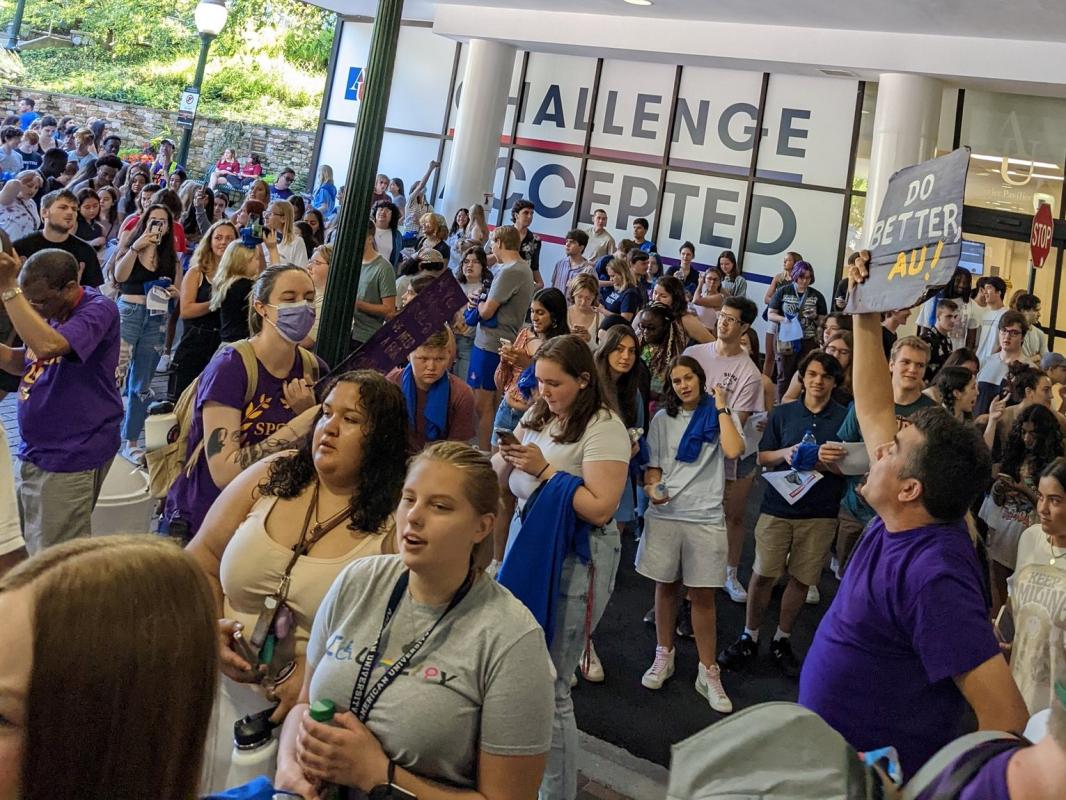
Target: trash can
(125, 506)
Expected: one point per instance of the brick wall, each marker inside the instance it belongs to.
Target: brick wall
(279, 147)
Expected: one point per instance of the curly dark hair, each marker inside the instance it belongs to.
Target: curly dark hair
(950, 380)
(622, 392)
(1048, 442)
(378, 487)
(673, 402)
(672, 344)
(952, 463)
(1022, 377)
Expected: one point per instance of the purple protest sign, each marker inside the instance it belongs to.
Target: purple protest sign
(427, 313)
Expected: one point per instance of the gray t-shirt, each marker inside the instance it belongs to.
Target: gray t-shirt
(512, 287)
(482, 681)
(376, 282)
(695, 489)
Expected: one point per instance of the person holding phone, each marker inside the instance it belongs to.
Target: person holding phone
(148, 269)
(281, 243)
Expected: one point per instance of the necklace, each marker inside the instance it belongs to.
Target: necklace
(1054, 556)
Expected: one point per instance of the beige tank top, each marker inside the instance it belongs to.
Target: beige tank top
(253, 565)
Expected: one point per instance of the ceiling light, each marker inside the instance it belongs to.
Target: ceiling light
(639, 2)
(1019, 161)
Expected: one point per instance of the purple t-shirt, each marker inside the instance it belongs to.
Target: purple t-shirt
(69, 408)
(990, 782)
(225, 381)
(909, 615)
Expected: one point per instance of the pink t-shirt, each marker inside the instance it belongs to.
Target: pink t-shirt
(738, 374)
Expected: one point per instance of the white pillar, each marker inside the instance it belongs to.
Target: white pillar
(479, 122)
(906, 124)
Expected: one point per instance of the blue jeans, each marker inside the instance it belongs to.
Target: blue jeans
(142, 337)
(463, 346)
(568, 643)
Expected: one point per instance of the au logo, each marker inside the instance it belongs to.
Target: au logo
(356, 83)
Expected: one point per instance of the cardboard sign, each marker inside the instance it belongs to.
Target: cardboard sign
(916, 243)
(427, 313)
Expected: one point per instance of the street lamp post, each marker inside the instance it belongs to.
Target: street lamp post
(16, 26)
(210, 16)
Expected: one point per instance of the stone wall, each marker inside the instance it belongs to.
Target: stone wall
(278, 147)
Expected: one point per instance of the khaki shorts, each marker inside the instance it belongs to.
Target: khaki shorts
(801, 544)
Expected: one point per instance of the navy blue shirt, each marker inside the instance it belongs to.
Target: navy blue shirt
(785, 428)
(626, 301)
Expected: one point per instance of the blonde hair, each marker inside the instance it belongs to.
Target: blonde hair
(477, 218)
(152, 635)
(259, 185)
(583, 280)
(325, 174)
(237, 262)
(326, 250)
(621, 266)
(430, 216)
(203, 257)
(480, 487)
(288, 231)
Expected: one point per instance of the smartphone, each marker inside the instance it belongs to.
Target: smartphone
(1004, 625)
(505, 342)
(244, 649)
(504, 436)
(155, 227)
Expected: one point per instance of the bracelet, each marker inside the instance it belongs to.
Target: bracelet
(542, 471)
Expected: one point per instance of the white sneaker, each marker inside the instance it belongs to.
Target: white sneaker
(814, 597)
(594, 673)
(660, 670)
(709, 684)
(736, 592)
(164, 363)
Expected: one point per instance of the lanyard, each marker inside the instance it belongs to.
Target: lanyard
(363, 699)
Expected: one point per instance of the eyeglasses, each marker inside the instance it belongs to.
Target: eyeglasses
(731, 320)
(1011, 331)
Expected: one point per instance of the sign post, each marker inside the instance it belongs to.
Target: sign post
(190, 99)
(1040, 236)
(917, 239)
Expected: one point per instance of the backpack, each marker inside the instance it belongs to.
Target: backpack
(774, 750)
(166, 463)
(783, 751)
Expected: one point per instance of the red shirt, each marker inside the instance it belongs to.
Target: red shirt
(252, 170)
(228, 166)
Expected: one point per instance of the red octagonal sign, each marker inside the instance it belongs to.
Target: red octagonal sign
(1040, 237)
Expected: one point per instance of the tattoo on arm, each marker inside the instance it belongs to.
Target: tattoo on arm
(216, 441)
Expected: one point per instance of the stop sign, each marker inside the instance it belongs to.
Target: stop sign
(1040, 236)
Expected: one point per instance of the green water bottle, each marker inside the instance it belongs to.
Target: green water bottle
(323, 711)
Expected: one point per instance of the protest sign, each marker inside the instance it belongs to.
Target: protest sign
(917, 239)
(429, 311)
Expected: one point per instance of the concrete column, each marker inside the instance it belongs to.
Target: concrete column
(482, 105)
(906, 123)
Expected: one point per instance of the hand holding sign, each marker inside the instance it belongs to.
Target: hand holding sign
(916, 242)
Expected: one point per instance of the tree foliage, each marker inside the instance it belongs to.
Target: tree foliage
(269, 60)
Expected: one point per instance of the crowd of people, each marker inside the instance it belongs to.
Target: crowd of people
(431, 550)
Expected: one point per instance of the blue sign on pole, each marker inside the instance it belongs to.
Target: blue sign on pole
(355, 78)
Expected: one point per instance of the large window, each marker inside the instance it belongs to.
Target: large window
(729, 160)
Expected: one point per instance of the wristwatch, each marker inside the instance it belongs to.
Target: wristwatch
(727, 411)
(10, 294)
(389, 790)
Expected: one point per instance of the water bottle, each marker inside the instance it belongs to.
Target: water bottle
(808, 438)
(255, 750)
(323, 711)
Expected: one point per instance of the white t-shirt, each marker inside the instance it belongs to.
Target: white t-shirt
(1034, 344)
(988, 320)
(605, 439)
(295, 252)
(1034, 548)
(695, 490)
(969, 319)
(383, 242)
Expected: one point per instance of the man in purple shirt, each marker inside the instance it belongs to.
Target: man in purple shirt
(907, 642)
(69, 408)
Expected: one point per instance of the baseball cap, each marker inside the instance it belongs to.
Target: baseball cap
(1052, 360)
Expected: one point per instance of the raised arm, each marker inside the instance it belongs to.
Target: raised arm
(874, 406)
